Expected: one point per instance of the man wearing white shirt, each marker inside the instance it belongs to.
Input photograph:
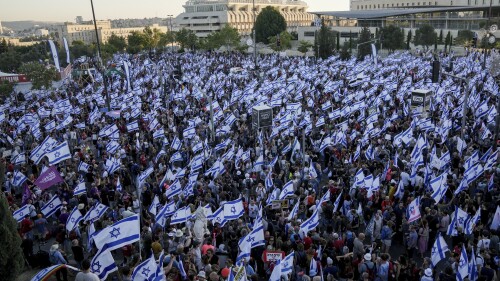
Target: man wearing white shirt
(405, 177)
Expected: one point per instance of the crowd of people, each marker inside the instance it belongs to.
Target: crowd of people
(351, 180)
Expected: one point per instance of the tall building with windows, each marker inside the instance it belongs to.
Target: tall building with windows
(205, 16)
(390, 4)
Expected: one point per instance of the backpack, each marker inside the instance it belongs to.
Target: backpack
(370, 271)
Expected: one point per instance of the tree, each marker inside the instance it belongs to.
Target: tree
(324, 42)
(228, 37)
(11, 255)
(285, 41)
(167, 38)
(440, 39)
(6, 89)
(392, 38)
(464, 37)
(425, 36)
(3, 46)
(338, 40)
(408, 39)
(344, 53)
(79, 48)
(136, 42)
(304, 46)
(117, 42)
(447, 41)
(365, 49)
(269, 23)
(10, 61)
(151, 37)
(39, 75)
(186, 39)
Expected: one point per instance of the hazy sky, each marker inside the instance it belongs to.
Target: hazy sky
(67, 10)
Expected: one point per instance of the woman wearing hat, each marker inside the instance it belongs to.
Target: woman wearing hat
(427, 275)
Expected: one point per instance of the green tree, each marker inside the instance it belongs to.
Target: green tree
(440, 38)
(167, 38)
(435, 44)
(425, 36)
(285, 41)
(228, 37)
(324, 42)
(408, 39)
(304, 46)
(39, 75)
(136, 42)
(392, 38)
(79, 48)
(447, 41)
(344, 53)
(186, 39)
(464, 37)
(365, 49)
(269, 23)
(11, 256)
(3, 46)
(10, 61)
(338, 40)
(6, 89)
(117, 42)
(151, 37)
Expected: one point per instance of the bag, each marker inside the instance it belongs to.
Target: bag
(370, 271)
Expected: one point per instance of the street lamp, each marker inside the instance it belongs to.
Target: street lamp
(254, 38)
(495, 72)
(108, 102)
(171, 32)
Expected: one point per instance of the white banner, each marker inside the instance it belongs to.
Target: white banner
(67, 49)
(374, 53)
(127, 72)
(54, 54)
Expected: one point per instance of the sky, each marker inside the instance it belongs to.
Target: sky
(67, 10)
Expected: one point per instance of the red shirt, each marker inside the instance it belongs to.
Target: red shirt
(307, 242)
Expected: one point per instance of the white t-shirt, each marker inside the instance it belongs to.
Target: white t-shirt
(86, 276)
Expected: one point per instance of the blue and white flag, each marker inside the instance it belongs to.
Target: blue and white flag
(18, 178)
(337, 202)
(218, 217)
(287, 264)
(176, 143)
(74, 219)
(133, 126)
(103, 264)
(95, 213)
(59, 153)
(146, 270)
(472, 222)
(154, 205)
(325, 197)
(52, 206)
(491, 183)
(19, 159)
(473, 274)
(166, 211)
(21, 212)
(112, 146)
(413, 211)
(80, 189)
(276, 274)
(495, 223)
(311, 223)
(65, 123)
(370, 153)
(181, 215)
(233, 209)
(144, 175)
(463, 265)
(37, 154)
(259, 162)
(118, 185)
(158, 134)
(439, 250)
(288, 190)
(174, 189)
(121, 233)
(459, 219)
(83, 167)
(255, 238)
(49, 127)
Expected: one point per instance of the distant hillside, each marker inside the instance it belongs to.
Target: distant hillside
(25, 24)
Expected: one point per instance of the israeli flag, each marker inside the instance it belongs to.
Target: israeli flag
(336, 204)
(288, 190)
(166, 211)
(320, 122)
(233, 209)
(327, 105)
(112, 147)
(325, 198)
(38, 153)
(495, 223)
(80, 189)
(491, 161)
(19, 178)
(108, 130)
(286, 149)
(59, 153)
(463, 265)
(255, 238)
(52, 206)
(19, 159)
(491, 183)
(287, 264)
(276, 274)
(118, 185)
(146, 270)
(21, 212)
(311, 223)
(83, 167)
(74, 219)
(65, 123)
(158, 134)
(189, 132)
(95, 213)
(218, 217)
(413, 211)
(133, 126)
(176, 144)
(181, 215)
(439, 250)
(49, 127)
(103, 264)
(459, 219)
(121, 233)
(470, 224)
(370, 153)
(471, 160)
(144, 175)
(197, 147)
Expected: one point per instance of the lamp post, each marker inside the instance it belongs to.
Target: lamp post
(108, 102)
(171, 32)
(487, 36)
(254, 37)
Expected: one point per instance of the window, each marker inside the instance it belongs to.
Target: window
(309, 33)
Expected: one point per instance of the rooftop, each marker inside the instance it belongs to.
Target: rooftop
(384, 13)
(272, 2)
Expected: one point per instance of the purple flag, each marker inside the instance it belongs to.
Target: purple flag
(48, 178)
(26, 194)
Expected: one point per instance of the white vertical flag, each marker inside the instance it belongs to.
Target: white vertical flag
(67, 50)
(54, 54)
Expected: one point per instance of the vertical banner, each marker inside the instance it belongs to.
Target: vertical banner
(127, 72)
(54, 54)
(67, 50)
(374, 53)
